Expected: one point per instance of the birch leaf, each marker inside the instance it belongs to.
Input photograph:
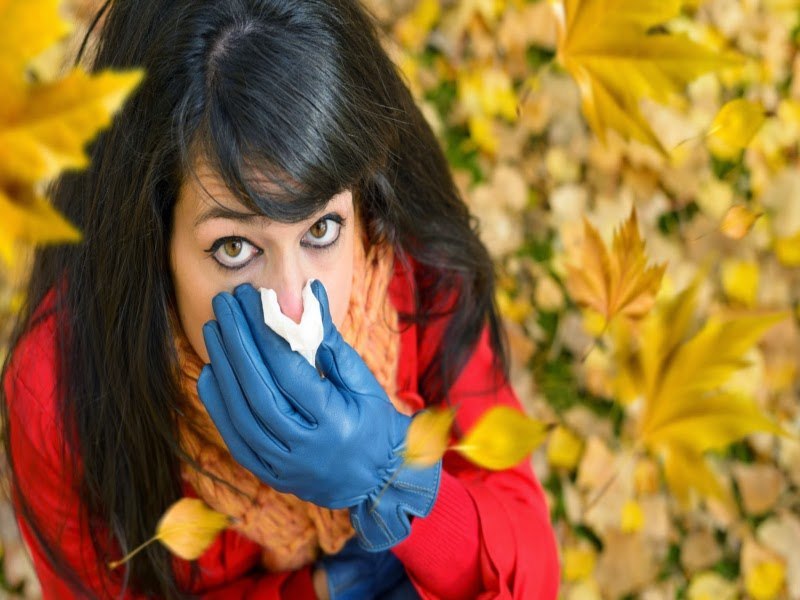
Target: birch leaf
(609, 49)
(189, 527)
(738, 221)
(616, 282)
(428, 436)
(735, 126)
(501, 438)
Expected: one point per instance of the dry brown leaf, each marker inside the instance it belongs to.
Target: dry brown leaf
(617, 282)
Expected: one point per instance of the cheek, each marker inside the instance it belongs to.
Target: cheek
(193, 295)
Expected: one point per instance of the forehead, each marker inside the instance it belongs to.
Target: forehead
(203, 197)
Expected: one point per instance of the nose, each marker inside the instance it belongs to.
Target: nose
(288, 285)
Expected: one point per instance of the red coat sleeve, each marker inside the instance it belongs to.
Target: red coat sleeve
(46, 477)
(489, 533)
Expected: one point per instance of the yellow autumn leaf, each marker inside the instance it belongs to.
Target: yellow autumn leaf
(501, 438)
(564, 448)
(709, 585)
(44, 124)
(578, 563)
(31, 220)
(49, 134)
(682, 377)
(609, 48)
(765, 580)
(428, 436)
(735, 126)
(413, 29)
(787, 249)
(740, 281)
(738, 221)
(632, 518)
(189, 527)
(619, 282)
(27, 28)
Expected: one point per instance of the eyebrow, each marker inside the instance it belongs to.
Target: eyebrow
(219, 212)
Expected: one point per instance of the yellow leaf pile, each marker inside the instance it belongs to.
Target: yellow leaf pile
(617, 60)
(44, 125)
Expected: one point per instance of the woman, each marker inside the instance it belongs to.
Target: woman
(271, 144)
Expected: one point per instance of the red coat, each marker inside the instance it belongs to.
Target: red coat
(488, 535)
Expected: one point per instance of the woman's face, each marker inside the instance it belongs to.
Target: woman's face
(211, 252)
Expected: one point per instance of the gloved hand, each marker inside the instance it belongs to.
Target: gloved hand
(356, 574)
(335, 440)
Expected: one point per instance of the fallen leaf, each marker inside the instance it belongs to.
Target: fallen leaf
(699, 551)
(711, 586)
(740, 281)
(501, 438)
(626, 566)
(760, 486)
(564, 448)
(738, 221)
(735, 126)
(765, 581)
(579, 562)
(788, 250)
(428, 436)
(632, 519)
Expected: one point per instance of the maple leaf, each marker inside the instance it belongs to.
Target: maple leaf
(688, 408)
(44, 125)
(619, 282)
(610, 49)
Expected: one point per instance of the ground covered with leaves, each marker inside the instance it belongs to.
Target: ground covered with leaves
(648, 251)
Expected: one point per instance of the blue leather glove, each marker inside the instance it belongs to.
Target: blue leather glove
(335, 440)
(356, 574)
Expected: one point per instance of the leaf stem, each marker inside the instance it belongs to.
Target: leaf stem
(115, 563)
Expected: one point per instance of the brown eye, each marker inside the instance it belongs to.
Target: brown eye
(233, 252)
(319, 229)
(233, 248)
(324, 233)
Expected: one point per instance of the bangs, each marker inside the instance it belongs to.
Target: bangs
(282, 124)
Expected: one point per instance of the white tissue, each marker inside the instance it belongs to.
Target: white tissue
(303, 337)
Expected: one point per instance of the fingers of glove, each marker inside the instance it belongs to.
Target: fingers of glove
(335, 357)
(254, 374)
(329, 329)
(292, 373)
(265, 428)
(211, 395)
(347, 371)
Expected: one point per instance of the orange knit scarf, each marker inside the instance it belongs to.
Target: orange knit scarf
(291, 531)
